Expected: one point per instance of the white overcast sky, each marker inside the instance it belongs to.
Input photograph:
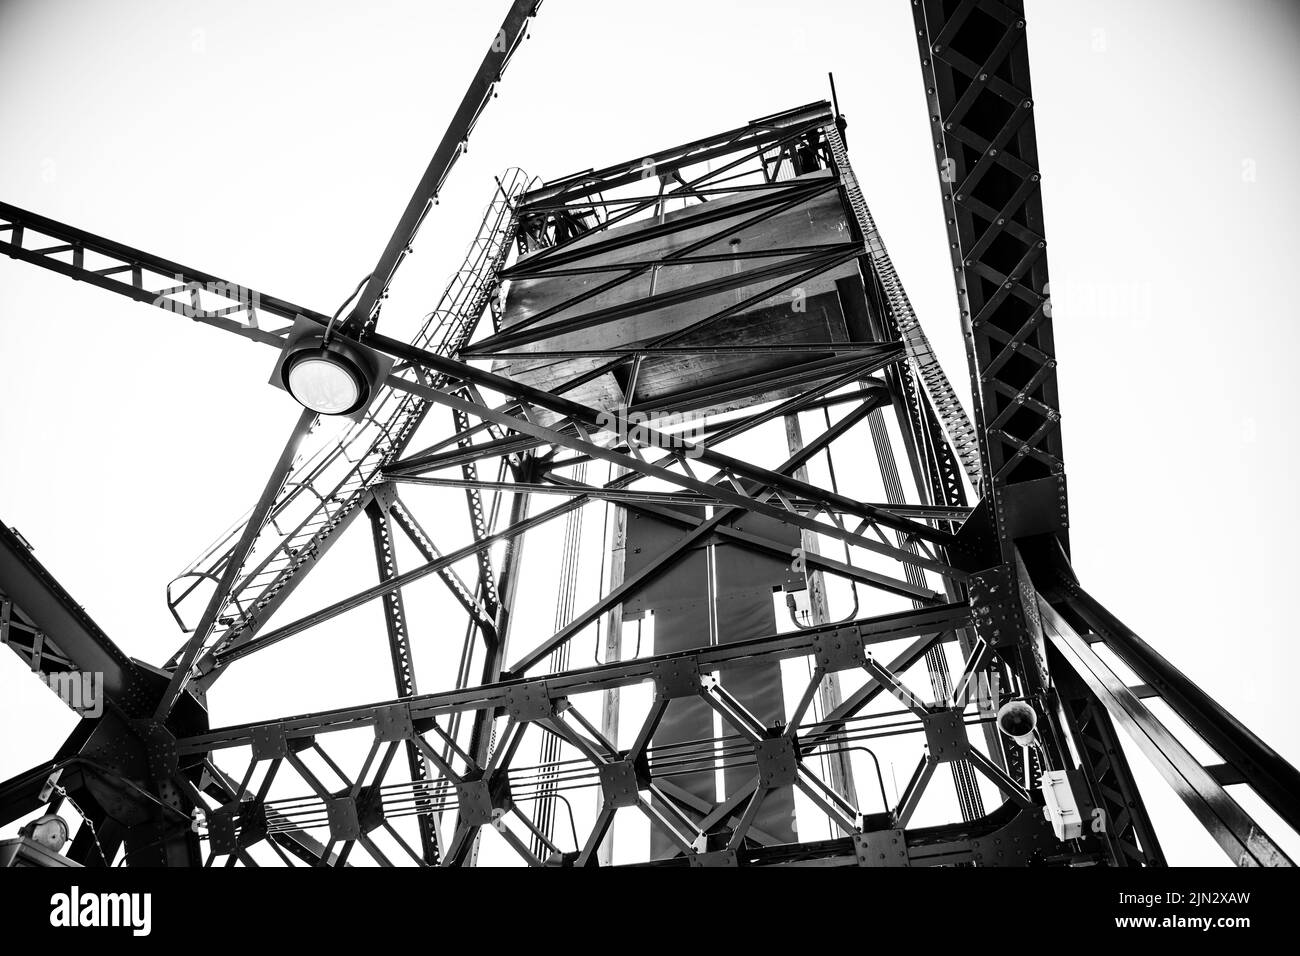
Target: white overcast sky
(275, 144)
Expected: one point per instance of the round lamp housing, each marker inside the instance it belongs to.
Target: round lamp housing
(331, 379)
(1018, 720)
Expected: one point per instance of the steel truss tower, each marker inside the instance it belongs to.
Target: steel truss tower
(682, 348)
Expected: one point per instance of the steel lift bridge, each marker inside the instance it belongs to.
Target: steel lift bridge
(830, 620)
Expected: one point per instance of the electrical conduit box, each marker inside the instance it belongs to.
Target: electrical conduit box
(1061, 806)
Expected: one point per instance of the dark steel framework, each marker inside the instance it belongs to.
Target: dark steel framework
(991, 578)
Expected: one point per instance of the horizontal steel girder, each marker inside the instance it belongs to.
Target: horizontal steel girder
(874, 630)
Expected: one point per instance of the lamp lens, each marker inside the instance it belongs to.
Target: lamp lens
(324, 386)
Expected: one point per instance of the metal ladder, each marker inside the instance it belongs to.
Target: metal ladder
(952, 416)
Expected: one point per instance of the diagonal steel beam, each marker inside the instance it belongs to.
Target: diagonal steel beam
(480, 614)
(1245, 843)
(555, 485)
(26, 583)
(174, 287)
(399, 650)
(737, 498)
(449, 148)
(268, 638)
(234, 564)
(530, 331)
(592, 419)
(702, 530)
